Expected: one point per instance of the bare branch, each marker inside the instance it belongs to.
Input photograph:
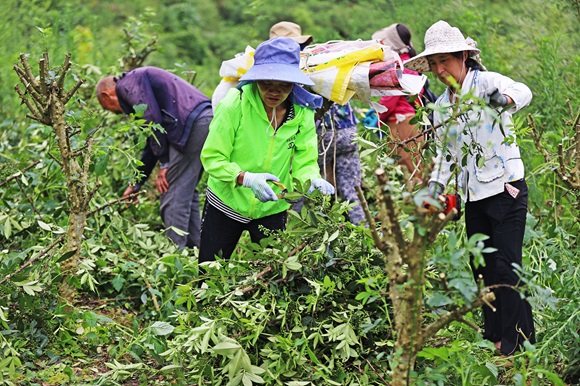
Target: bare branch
(153, 296)
(59, 162)
(61, 78)
(392, 226)
(42, 71)
(457, 314)
(326, 104)
(23, 191)
(19, 173)
(431, 129)
(470, 324)
(66, 97)
(28, 71)
(33, 260)
(370, 220)
(46, 61)
(36, 115)
(438, 225)
(116, 201)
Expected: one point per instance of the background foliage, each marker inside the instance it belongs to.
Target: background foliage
(140, 314)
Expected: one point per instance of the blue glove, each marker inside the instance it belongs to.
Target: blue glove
(321, 184)
(258, 182)
(496, 99)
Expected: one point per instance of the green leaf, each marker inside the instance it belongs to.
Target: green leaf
(161, 328)
(118, 282)
(555, 379)
(140, 110)
(438, 300)
(170, 367)
(7, 228)
(478, 237)
(226, 348)
(30, 287)
(101, 164)
(333, 236)
(66, 255)
(246, 381)
(292, 263)
(367, 152)
(432, 353)
(293, 196)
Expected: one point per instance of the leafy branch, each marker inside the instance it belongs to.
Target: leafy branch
(33, 260)
(19, 173)
(567, 157)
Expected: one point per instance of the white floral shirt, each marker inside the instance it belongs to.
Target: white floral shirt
(475, 135)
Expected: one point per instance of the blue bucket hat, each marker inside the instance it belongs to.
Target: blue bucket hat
(277, 59)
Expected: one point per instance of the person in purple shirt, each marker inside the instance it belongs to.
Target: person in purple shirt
(185, 113)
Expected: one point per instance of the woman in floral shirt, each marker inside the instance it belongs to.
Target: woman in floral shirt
(481, 145)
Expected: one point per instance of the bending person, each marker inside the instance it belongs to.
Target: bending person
(185, 113)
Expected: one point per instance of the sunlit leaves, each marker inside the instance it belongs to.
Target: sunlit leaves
(30, 287)
(161, 328)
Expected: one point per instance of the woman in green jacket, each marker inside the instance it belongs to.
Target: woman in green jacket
(263, 131)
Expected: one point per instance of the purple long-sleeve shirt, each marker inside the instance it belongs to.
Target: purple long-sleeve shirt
(170, 102)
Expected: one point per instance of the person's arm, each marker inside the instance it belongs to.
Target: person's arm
(137, 90)
(305, 163)
(149, 161)
(216, 152)
(218, 147)
(516, 93)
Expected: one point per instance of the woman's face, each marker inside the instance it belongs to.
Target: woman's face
(274, 93)
(447, 65)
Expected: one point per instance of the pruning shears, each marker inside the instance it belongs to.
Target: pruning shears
(283, 189)
(284, 192)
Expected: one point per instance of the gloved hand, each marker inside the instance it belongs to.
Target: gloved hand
(496, 99)
(435, 189)
(321, 184)
(258, 182)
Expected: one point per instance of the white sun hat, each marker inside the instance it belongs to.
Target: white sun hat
(440, 38)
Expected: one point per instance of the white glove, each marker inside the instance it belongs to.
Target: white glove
(258, 182)
(321, 184)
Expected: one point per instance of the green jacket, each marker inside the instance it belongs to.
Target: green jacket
(241, 139)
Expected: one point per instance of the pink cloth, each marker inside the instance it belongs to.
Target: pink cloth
(384, 75)
(397, 104)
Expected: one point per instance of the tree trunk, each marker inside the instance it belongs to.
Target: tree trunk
(46, 99)
(405, 267)
(408, 305)
(79, 193)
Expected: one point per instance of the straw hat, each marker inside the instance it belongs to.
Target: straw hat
(440, 38)
(289, 30)
(277, 59)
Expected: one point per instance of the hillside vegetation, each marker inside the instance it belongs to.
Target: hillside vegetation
(313, 308)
